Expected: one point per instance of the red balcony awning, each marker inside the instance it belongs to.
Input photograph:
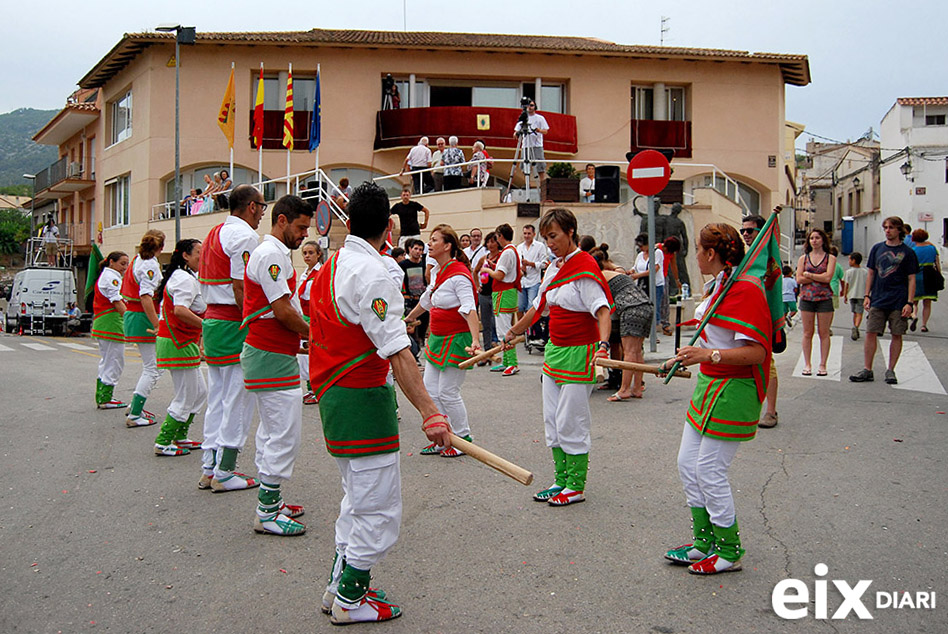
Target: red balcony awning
(662, 135)
(403, 127)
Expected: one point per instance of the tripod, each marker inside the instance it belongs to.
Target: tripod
(523, 157)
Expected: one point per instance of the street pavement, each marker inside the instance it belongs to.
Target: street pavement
(98, 534)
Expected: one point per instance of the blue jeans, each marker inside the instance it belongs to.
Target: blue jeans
(485, 303)
(659, 297)
(527, 295)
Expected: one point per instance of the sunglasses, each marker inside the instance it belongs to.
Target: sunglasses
(745, 232)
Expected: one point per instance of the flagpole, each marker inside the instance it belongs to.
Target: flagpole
(284, 132)
(316, 105)
(727, 285)
(260, 150)
(230, 172)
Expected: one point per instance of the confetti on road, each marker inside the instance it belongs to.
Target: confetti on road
(91, 470)
(283, 570)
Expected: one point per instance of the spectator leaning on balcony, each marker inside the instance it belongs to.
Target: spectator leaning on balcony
(226, 185)
(419, 158)
(51, 242)
(533, 139)
(480, 173)
(587, 186)
(438, 175)
(452, 157)
(341, 194)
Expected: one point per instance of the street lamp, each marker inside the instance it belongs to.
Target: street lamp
(32, 179)
(856, 182)
(183, 35)
(906, 169)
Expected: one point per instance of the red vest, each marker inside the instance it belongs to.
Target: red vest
(214, 269)
(100, 303)
(567, 327)
(340, 352)
(306, 280)
(130, 290)
(171, 326)
(448, 321)
(267, 334)
(499, 286)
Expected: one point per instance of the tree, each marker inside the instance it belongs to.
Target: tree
(14, 231)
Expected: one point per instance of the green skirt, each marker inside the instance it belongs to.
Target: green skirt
(725, 408)
(448, 350)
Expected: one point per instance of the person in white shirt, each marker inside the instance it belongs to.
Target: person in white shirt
(438, 175)
(534, 257)
(587, 186)
(640, 271)
(477, 250)
(419, 158)
(533, 139)
(51, 242)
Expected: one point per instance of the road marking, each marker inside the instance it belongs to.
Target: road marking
(5, 349)
(834, 364)
(75, 346)
(37, 346)
(913, 369)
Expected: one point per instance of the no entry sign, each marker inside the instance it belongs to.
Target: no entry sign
(648, 173)
(323, 218)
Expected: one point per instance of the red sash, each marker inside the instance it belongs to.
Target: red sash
(214, 269)
(340, 353)
(100, 304)
(130, 289)
(172, 327)
(267, 334)
(571, 328)
(448, 321)
(224, 312)
(579, 266)
(500, 287)
(302, 288)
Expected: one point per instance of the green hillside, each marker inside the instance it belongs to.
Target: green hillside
(18, 154)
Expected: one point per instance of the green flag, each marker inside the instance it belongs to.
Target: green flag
(95, 257)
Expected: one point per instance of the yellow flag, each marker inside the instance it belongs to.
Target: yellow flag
(288, 114)
(225, 118)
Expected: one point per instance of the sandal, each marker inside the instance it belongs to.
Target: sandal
(807, 373)
(821, 373)
(615, 398)
(924, 328)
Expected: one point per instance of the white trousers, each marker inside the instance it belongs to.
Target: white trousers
(444, 388)
(370, 514)
(702, 464)
(190, 393)
(304, 368)
(150, 372)
(279, 433)
(566, 415)
(111, 361)
(229, 408)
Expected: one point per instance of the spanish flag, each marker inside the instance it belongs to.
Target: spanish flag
(258, 113)
(225, 118)
(288, 115)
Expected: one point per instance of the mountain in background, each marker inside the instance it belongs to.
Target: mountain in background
(18, 153)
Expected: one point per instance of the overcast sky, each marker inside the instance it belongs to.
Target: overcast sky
(863, 54)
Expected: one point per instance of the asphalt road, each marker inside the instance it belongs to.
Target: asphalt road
(98, 534)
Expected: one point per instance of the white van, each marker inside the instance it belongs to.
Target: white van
(39, 299)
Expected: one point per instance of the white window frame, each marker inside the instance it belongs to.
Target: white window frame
(118, 192)
(115, 135)
(643, 99)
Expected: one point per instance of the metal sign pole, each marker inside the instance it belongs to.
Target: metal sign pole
(652, 337)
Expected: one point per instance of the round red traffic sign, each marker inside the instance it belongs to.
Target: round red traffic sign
(323, 218)
(648, 172)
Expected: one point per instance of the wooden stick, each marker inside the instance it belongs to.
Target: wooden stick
(487, 354)
(639, 367)
(507, 468)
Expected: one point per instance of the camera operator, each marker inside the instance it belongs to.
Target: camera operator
(532, 135)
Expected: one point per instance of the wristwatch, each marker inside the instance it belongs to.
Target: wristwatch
(715, 356)
(604, 344)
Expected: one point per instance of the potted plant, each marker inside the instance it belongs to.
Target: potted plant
(562, 183)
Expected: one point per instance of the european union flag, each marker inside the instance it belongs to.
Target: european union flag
(315, 119)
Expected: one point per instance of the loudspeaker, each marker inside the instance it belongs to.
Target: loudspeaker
(607, 184)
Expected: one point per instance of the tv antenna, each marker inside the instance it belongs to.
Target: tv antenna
(665, 28)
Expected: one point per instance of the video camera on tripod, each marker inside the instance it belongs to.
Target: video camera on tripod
(524, 119)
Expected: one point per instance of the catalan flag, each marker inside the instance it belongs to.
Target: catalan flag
(288, 115)
(315, 120)
(258, 113)
(225, 118)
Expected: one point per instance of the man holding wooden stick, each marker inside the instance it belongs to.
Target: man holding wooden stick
(357, 333)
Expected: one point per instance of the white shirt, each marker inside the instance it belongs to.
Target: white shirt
(507, 263)
(148, 275)
(580, 296)
(587, 184)
(110, 284)
(185, 290)
(436, 160)
(362, 283)
(305, 287)
(419, 156)
(641, 266)
(536, 122)
(474, 254)
(537, 253)
(456, 292)
(237, 238)
(270, 266)
(50, 234)
(717, 337)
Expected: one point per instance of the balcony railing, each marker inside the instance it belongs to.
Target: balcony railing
(648, 134)
(63, 177)
(51, 175)
(495, 126)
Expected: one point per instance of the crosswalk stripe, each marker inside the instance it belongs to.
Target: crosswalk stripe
(5, 349)
(913, 369)
(38, 346)
(75, 346)
(834, 364)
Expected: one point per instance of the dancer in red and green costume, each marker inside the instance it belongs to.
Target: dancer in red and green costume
(506, 275)
(735, 355)
(178, 347)
(141, 280)
(576, 296)
(312, 256)
(357, 332)
(274, 322)
(451, 300)
(229, 405)
(107, 311)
